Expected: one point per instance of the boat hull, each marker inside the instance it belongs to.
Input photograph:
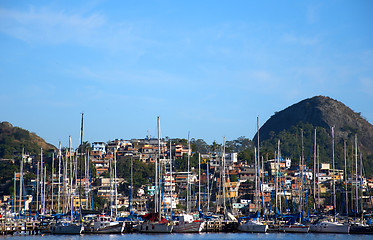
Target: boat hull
(149, 227)
(189, 227)
(295, 229)
(113, 229)
(329, 227)
(66, 229)
(254, 227)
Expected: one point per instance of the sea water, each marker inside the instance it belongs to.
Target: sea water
(200, 236)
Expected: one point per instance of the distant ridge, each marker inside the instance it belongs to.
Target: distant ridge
(13, 139)
(324, 112)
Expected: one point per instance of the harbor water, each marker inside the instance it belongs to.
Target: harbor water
(201, 236)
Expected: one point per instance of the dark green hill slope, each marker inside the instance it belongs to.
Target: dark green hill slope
(322, 113)
(13, 139)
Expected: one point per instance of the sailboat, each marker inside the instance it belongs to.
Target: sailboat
(255, 225)
(330, 226)
(65, 225)
(154, 222)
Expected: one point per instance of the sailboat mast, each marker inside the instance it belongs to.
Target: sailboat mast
(37, 187)
(256, 181)
(224, 177)
(59, 179)
(52, 179)
(116, 182)
(208, 186)
(41, 180)
(171, 200)
(188, 182)
(15, 193)
(345, 176)
(71, 179)
(314, 171)
(357, 193)
(334, 199)
(44, 188)
(277, 172)
(318, 173)
(156, 172)
(361, 184)
(160, 173)
(111, 184)
(80, 163)
(199, 181)
(20, 181)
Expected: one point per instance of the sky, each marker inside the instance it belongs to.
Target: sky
(208, 67)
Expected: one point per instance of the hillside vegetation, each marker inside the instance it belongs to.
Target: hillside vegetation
(13, 139)
(321, 113)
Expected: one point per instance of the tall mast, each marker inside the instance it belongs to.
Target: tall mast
(52, 178)
(361, 185)
(41, 179)
(171, 200)
(37, 187)
(199, 181)
(318, 173)
(44, 188)
(188, 182)
(224, 177)
(20, 181)
(256, 181)
(59, 179)
(334, 199)
(302, 176)
(159, 172)
(71, 179)
(208, 186)
(260, 174)
(116, 182)
(81, 155)
(277, 172)
(156, 172)
(111, 184)
(15, 193)
(314, 171)
(345, 176)
(357, 193)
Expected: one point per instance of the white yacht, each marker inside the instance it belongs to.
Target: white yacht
(186, 224)
(103, 224)
(329, 227)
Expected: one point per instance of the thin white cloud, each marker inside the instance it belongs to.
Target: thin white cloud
(46, 26)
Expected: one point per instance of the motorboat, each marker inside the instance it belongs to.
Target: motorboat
(185, 223)
(103, 224)
(329, 227)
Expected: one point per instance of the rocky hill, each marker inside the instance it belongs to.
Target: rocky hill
(322, 112)
(13, 139)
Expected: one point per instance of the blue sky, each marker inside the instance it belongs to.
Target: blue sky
(208, 67)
